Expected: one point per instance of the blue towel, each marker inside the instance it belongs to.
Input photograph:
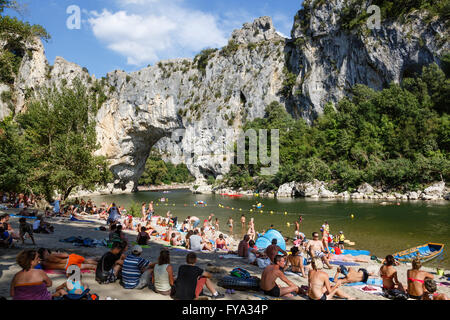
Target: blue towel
(16, 216)
(356, 252)
(344, 263)
(370, 281)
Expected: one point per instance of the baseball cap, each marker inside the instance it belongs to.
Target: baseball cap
(137, 249)
(341, 232)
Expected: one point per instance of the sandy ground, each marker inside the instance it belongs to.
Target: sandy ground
(65, 228)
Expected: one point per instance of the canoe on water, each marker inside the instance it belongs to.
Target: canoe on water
(424, 252)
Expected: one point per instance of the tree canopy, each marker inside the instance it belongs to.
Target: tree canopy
(397, 138)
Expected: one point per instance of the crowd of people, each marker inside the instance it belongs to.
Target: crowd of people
(306, 258)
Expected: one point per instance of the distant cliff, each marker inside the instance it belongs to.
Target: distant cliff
(221, 89)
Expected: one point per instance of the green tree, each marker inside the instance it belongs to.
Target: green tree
(59, 133)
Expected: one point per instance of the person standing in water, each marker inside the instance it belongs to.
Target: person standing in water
(230, 225)
(243, 222)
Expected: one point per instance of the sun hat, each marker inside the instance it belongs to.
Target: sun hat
(137, 249)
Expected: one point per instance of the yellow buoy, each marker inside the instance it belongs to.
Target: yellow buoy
(232, 208)
(174, 204)
(240, 209)
(288, 224)
(271, 212)
(285, 213)
(251, 210)
(352, 216)
(157, 204)
(261, 211)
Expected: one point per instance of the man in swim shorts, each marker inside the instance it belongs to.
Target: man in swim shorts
(319, 284)
(315, 249)
(273, 272)
(351, 275)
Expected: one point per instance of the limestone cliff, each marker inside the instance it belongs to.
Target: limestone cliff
(205, 97)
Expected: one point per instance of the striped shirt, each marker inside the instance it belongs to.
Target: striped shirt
(131, 270)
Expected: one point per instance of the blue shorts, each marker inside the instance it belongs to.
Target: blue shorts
(196, 223)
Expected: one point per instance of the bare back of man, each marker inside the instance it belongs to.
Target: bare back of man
(320, 287)
(268, 282)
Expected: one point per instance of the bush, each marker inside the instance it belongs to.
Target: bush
(134, 210)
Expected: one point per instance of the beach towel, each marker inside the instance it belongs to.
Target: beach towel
(370, 281)
(84, 242)
(356, 252)
(77, 220)
(290, 273)
(141, 245)
(376, 290)
(344, 263)
(230, 256)
(17, 216)
(53, 271)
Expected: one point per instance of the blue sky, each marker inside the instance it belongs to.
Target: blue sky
(130, 34)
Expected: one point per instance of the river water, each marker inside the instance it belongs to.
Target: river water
(381, 229)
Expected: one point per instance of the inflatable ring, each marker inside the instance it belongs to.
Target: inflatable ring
(230, 282)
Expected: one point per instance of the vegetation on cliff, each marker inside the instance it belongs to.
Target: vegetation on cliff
(397, 138)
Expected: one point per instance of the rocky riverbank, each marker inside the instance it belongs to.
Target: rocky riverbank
(320, 189)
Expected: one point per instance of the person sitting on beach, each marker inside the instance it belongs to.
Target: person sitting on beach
(62, 260)
(416, 280)
(207, 244)
(162, 275)
(315, 248)
(175, 241)
(185, 226)
(254, 254)
(196, 242)
(25, 228)
(191, 280)
(143, 237)
(119, 235)
(128, 222)
(389, 275)
(216, 225)
(430, 293)
(351, 275)
(186, 238)
(319, 284)
(273, 272)
(295, 259)
(136, 270)
(110, 265)
(103, 214)
(30, 283)
(221, 244)
(272, 250)
(9, 228)
(78, 287)
(6, 239)
(40, 226)
(243, 247)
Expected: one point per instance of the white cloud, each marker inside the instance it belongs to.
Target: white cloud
(145, 31)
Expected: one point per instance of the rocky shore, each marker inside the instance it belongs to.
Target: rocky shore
(320, 189)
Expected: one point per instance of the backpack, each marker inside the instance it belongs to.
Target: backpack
(240, 273)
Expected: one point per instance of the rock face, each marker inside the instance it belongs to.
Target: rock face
(329, 60)
(191, 110)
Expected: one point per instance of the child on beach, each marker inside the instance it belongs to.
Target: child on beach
(25, 228)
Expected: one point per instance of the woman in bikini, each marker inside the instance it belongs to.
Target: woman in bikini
(389, 275)
(416, 279)
(62, 260)
(295, 259)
